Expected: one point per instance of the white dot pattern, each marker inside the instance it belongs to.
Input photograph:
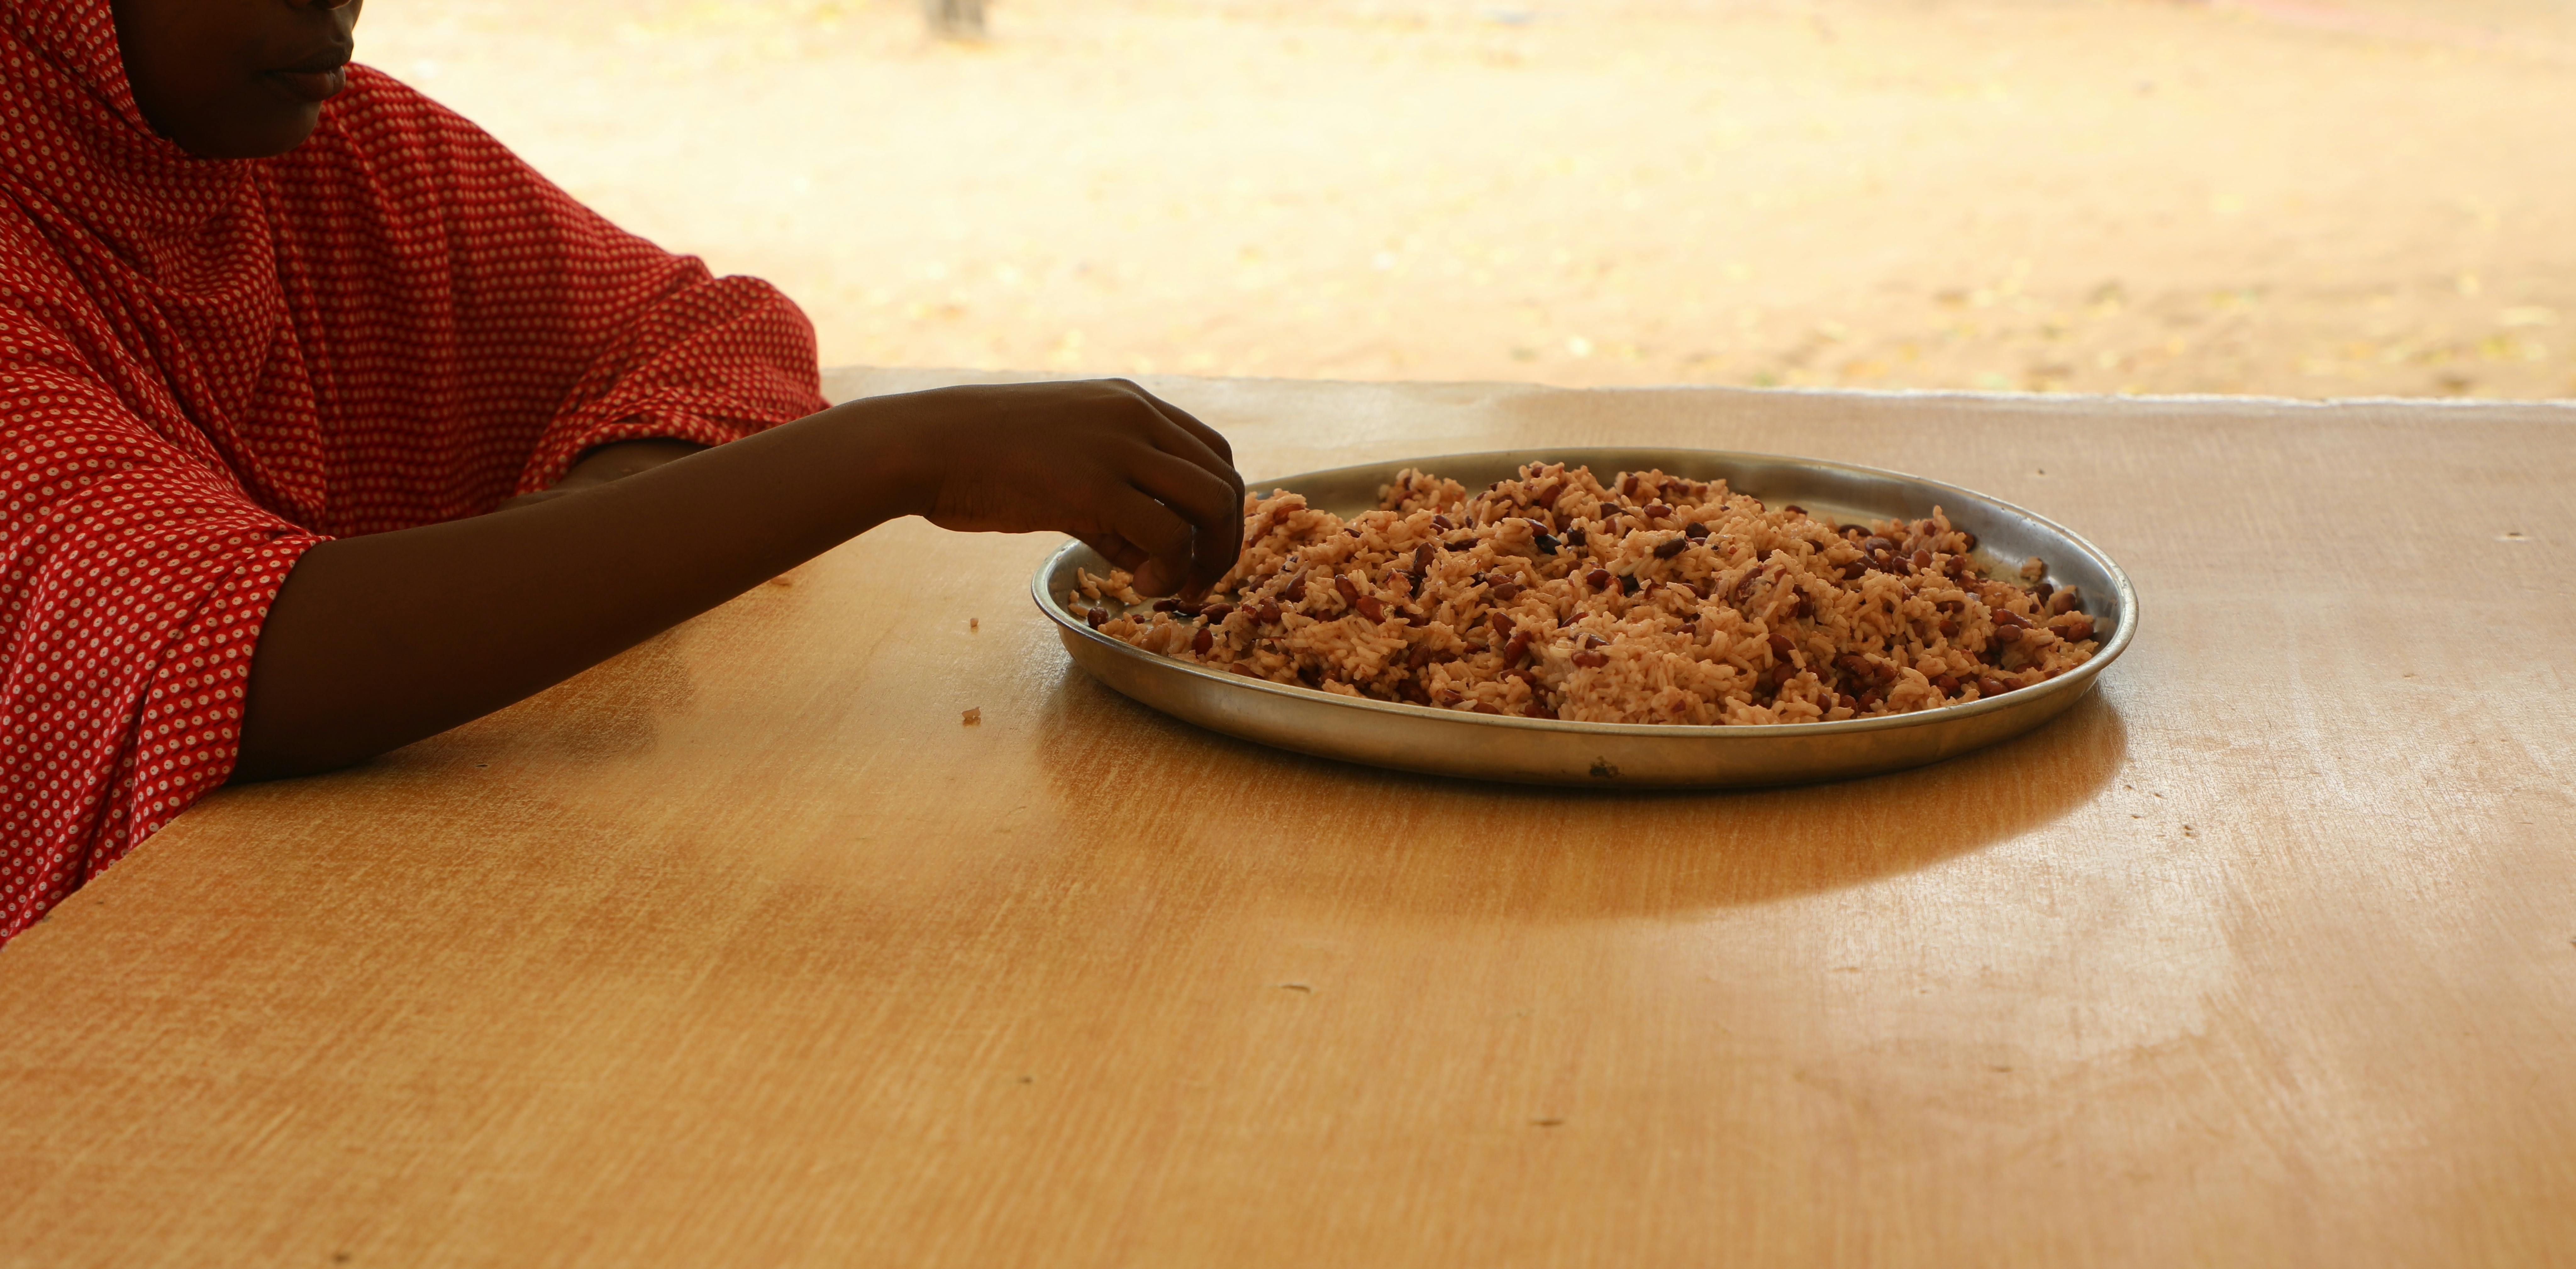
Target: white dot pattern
(207, 367)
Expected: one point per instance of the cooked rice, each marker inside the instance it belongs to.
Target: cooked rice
(1655, 599)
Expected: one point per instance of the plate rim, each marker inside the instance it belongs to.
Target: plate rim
(2077, 680)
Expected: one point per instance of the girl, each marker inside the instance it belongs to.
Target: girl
(326, 425)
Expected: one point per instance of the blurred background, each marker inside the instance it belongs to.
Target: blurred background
(2287, 197)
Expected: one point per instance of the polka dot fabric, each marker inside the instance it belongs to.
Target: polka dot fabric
(207, 367)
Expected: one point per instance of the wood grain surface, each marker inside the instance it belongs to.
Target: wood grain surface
(744, 949)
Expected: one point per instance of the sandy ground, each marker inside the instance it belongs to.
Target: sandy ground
(2292, 197)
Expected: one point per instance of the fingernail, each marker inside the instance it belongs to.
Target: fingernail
(1149, 579)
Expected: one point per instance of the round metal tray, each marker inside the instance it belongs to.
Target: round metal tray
(1540, 751)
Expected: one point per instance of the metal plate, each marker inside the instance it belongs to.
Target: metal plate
(1541, 751)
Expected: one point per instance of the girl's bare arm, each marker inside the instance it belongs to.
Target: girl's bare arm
(377, 641)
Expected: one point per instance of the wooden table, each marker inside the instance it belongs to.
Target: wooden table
(743, 950)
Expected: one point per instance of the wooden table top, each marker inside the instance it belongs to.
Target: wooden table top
(743, 950)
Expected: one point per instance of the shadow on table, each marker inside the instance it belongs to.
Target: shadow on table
(616, 709)
(1310, 830)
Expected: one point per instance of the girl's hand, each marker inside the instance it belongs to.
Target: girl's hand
(1134, 477)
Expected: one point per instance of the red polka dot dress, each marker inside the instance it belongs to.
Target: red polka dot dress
(208, 366)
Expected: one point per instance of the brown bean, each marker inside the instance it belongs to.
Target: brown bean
(2008, 634)
(1483, 708)
(1420, 656)
(2078, 630)
(1782, 645)
(1096, 618)
(1205, 640)
(1849, 702)
(1500, 623)
(1441, 523)
(1780, 674)
(1922, 560)
(1166, 605)
(1794, 509)
(2007, 617)
(1672, 547)
(1868, 701)
(1350, 589)
(2064, 601)
(1598, 579)
(1370, 607)
(1992, 686)
(1295, 590)
(1948, 683)
(1875, 545)
(1696, 531)
(1503, 592)
(1971, 543)
(1949, 628)
(1266, 614)
(1590, 660)
(1547, 497)
(1519, 645)
(1657, 511)
(1215, 613)
(1245, 670)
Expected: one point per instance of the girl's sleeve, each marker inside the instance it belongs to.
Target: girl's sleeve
(133, 584)
(430, 252)
(664, 348)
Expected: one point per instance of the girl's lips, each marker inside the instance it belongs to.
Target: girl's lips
(314, 86)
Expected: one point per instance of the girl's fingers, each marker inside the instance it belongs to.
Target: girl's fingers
(1120, 552)
(1181, 434)
(1213, 508)
(1171, 438)
(1167, 435)
(1158, 531)
(1214, 441)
